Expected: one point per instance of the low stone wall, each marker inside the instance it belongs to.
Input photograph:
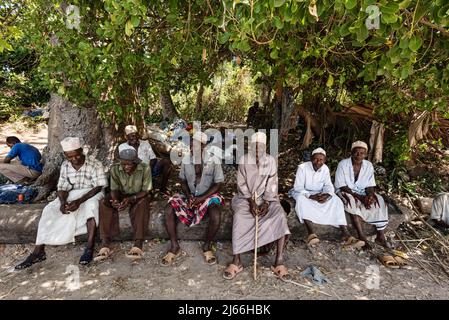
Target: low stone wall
(18, 224)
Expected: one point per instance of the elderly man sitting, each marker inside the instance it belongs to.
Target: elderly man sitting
(145, 153)
(201, 180)
(257, 194)
(316, 201)
(75, 211)
(355, 185)
(130, 186)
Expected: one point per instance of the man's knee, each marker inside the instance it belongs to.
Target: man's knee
(105, 202)
(165, 164)
(215, 213)
(143, 201)
(169, 210)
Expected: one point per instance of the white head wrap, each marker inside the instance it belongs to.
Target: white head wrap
(359, 144)
(319, 150)
(130, 129)
(70, 144)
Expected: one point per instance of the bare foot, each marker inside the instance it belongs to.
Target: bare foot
(174, 248)
(382, 242)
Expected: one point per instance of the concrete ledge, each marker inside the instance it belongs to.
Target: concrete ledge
(18, 224)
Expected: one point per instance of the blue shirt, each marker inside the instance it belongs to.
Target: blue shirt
(28, 155)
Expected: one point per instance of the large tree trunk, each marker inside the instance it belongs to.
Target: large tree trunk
(168, 109)
(265, 94)
(289, 116)
(199, 101)
(285, 115)
(67, 120)
(277, 105)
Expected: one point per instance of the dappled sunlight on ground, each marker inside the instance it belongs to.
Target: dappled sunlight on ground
(60, 277)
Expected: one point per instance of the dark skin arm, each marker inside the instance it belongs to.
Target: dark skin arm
(258, 210)
(320, 197)
(75, 204)
(186, 190)
(356, 196)
(367, 200)
(263, 208)
(213, 189)
(62, 195)
(7, 160)
(128, 200)
(346, 189)
(370, 198)
(253, 206)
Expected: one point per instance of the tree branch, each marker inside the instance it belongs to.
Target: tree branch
(426, 22)
(443, 31)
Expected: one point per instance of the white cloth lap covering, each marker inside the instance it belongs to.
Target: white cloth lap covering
(310, 182)
(56, 228)
(376, 215)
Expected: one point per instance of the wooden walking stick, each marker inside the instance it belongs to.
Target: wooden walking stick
(255, 237)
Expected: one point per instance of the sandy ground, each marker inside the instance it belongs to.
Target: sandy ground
(349, 272)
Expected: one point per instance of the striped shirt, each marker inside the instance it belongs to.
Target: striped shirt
(89, 176)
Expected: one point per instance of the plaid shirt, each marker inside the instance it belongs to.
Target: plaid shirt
(89, 176)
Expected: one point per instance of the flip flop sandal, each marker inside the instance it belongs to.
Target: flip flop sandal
(401, 254)
(103, 254)
(170, 257)
(281, 272)
(233, 270)
(354, 242)
(210, 257)
(30, 260)
(388, 261)
(401, 262)
(312, 239)
(135, 253)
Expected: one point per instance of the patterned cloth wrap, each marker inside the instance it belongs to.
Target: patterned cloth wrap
(193, 216)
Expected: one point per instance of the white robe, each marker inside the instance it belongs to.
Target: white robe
(309, 182)
(56, 228)
(377, 215)
(440, 208)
